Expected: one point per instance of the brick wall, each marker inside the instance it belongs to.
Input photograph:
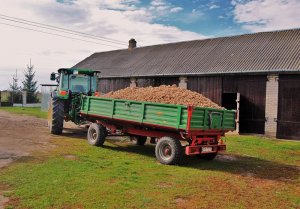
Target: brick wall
(271, 105)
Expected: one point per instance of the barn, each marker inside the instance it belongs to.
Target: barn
(260, 71)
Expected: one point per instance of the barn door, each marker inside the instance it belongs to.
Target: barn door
(252, 91)
(288, 121)
(231, 101)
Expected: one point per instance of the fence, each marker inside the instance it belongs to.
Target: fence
(18, 98)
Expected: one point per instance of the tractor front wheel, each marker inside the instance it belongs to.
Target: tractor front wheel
(56, 115)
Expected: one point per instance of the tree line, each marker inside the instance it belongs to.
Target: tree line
(29, 84)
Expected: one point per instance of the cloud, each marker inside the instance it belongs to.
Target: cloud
(176, 9)
(213, 6)
(162, 8)
(114, 19)
(266, 15)
(192, 17)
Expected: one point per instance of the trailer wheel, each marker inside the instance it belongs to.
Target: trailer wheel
(168, 151)
(209, 156)
(138, 140)
(96, 134)
(56, 115)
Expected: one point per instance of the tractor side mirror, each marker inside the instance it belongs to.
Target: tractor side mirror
(52, 77)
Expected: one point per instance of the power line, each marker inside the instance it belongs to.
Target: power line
(50, 27)
(44, 27)
(76, 32)
(58, 35)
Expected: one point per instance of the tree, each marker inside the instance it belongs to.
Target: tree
(30, 85)
(15, 95)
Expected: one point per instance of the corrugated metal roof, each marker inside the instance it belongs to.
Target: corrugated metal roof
(277, 51)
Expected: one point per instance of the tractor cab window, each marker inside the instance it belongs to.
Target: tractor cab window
(64, 81)
(80, 83)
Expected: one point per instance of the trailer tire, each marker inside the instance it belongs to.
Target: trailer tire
(56, 115)
(138, 140)
(96, 134)
(209, 156)
(168, 151)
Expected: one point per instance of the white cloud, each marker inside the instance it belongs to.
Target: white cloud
(158, 3)
(266, 15)
(192, 17)
(114, 19)
(214, 6)
(162, 8)
(176, 9)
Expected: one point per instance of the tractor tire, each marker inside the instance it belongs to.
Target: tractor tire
(96, 134)
(56, 115)
(168, 151)
(138, 140)
(208, 156)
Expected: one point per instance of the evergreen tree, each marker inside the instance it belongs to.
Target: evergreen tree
(30, 85)
(15, 95)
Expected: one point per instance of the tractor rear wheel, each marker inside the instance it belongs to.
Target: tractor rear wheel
(138, 140)
(56, 115)
(96, 134)
(168, 151)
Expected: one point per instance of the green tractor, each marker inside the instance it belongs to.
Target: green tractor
(65, 100)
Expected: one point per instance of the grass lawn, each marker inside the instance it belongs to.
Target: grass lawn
(34, 111)
(255, 172)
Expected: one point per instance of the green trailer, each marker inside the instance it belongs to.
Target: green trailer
(166, 124)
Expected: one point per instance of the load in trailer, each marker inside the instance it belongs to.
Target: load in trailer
(167, 125)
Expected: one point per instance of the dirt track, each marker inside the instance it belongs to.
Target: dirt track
(20, 135)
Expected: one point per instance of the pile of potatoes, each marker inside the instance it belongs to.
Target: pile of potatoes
(163, 94)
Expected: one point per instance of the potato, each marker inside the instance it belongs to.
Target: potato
(163, 94)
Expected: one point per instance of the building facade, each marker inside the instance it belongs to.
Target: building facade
(259, 71)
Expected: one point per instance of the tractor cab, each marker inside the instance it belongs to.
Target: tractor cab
(66, 99)
(75, 81)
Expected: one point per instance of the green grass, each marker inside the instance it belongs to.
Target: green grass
(255, 173)
(33, 111)
(283, 151)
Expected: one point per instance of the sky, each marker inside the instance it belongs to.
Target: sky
(113, 22)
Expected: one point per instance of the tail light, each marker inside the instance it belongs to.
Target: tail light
(97, 94)
(63, 93)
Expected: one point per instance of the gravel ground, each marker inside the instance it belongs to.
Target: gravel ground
(21, 135)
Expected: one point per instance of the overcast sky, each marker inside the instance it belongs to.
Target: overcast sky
(149, 22)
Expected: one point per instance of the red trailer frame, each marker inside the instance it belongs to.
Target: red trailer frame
(200, 141)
